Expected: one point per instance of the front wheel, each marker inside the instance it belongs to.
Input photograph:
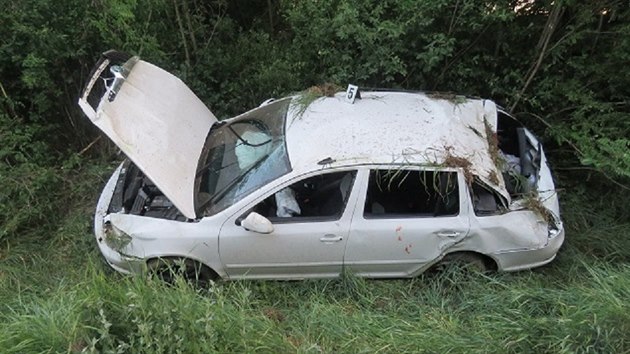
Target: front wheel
(169, 269)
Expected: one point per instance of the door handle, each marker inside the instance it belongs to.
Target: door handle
(448, 233)
(331, 238)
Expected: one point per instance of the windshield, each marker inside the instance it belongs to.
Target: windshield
(242, 156)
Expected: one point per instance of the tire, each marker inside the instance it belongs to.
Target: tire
(466, 260)
(169, 269)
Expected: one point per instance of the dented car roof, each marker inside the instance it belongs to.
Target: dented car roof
(396, 128)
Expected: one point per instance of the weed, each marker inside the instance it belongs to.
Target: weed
(493, 145)
(310, 95)
(448, 96)
(494, 178)
(453, 161)
(532, 202)
(327, 89)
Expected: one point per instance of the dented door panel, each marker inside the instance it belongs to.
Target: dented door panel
(401, 247)
(512, 248)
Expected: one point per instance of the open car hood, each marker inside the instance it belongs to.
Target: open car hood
(154, 118)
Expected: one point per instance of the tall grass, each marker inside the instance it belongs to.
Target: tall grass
(452, 312)
(57, 296)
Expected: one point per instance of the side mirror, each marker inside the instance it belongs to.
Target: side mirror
(257, 223)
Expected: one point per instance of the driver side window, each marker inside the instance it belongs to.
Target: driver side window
(318, 198)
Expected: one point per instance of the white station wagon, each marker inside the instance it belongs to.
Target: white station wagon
(377, 183)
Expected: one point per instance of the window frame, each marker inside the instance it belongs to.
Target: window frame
(354, 186)
(248, 117)
(461, 197)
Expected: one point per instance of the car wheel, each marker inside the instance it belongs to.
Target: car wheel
(169, 269)
(465, 260)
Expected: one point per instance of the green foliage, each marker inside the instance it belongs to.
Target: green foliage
(235, 55)
(409, 44)
(582, 91)
(570, 84)
(27, 190)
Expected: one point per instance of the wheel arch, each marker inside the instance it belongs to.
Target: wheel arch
(171, 258)
(490, 263)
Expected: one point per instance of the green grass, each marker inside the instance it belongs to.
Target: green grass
(58, 296)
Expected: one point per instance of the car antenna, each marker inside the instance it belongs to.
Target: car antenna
(326, 161)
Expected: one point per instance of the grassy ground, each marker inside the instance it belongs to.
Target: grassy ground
(57, 295)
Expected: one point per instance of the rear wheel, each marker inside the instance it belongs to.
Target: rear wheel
(169, 269)
(465, 260)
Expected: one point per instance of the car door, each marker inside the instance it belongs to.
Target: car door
(405, 219)
(311, 220)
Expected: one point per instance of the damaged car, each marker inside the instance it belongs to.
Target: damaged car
(381, 184)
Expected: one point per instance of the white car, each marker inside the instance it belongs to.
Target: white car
(379, 184)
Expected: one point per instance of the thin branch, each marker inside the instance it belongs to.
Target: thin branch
(450, 26)
(90, 145)
(191, 32)
(550, 27)
(8, 103)
(219, 17)
(182, 33)
(599, 29)
(459, 55)
(270, 12)
(543, 121)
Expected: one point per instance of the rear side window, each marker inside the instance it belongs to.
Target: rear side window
(408, 193)
(485, 200)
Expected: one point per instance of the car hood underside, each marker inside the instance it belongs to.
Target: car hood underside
(156, 120)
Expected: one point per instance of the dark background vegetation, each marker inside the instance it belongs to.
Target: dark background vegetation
(561, 67)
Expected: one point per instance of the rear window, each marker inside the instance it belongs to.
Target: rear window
(409, 193)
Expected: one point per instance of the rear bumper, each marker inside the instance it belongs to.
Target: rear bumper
(514, 260)
(115, 259)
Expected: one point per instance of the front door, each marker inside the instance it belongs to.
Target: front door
(311, 219)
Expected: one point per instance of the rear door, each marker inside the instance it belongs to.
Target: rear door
(405, 219)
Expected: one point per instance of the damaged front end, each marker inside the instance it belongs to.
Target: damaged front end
(111, 241)
(128, 193)
(136, 194)
(134, 223)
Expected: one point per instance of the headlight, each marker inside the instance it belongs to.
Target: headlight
(553, 232)
(554, 226)
(115, 238)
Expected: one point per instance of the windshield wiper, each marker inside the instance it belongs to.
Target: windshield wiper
(203, 168)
